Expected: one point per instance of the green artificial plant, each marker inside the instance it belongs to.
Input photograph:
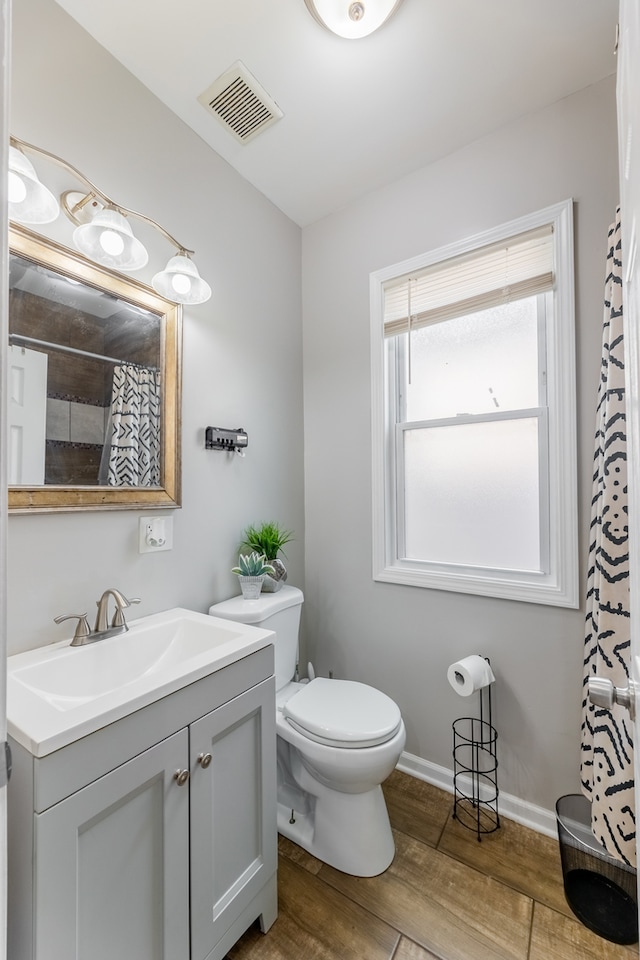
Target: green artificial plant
(267, 539)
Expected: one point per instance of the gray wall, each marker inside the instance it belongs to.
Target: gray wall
(402, 639)
(242, 350)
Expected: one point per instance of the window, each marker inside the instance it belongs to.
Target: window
(474, 415)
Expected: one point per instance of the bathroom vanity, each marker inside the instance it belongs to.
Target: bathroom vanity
(154, 834)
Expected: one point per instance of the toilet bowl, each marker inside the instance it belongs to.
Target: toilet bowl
(337, 741)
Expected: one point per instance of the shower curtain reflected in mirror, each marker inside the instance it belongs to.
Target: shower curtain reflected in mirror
(131, 455)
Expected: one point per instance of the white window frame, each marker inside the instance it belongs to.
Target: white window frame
(557, 584)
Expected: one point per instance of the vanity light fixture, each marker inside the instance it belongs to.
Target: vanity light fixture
(180, 278)
(352, 19)
(29, 200)
(108, 240)
(103, 233)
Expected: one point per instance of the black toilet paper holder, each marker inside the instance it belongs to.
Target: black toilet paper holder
(475, 769)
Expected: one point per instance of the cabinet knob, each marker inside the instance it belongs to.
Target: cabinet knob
(181, 777)
(204, 759)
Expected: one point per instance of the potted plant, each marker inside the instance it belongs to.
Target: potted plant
(252, 569)
(268, 539)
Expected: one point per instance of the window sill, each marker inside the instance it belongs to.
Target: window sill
(524, 587)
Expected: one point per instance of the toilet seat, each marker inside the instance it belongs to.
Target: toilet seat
(342, 713)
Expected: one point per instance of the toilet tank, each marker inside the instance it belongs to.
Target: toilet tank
(279, 612)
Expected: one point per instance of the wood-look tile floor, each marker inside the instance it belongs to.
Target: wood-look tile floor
(444, 897)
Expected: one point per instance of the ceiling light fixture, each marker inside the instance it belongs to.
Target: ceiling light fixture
(103, 233)
(352, 19)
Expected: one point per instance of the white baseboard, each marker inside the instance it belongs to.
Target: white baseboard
(528, 814)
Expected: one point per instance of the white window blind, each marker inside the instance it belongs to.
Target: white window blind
(501, 272)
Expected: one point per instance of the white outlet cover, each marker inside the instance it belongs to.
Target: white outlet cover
(158, 528)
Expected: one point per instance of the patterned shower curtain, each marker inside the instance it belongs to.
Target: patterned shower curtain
(607, 744)
(134, 427)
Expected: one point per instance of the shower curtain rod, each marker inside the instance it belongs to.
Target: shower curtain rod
(31, 341)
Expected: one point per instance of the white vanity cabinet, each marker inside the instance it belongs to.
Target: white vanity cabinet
(153, 838)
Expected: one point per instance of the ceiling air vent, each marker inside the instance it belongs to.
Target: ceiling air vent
(240, 103)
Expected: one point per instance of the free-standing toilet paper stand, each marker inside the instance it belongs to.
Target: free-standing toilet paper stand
(475, 769)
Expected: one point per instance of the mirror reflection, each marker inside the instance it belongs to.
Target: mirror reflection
(89, 366)
(87, 389)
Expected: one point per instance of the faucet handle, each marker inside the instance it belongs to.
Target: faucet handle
(83, 630)
(118, 617)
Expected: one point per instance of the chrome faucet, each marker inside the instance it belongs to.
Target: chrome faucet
(83, 634)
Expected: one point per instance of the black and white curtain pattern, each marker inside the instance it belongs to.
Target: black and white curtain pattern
(607, 745)
(134, 456)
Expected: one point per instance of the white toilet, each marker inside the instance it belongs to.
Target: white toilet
(337, 741)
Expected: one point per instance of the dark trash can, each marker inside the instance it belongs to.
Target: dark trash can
(600, 889)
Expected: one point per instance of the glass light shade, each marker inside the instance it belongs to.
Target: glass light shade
(108, 240)
(180, 282)
(29, 200)
(352, 19)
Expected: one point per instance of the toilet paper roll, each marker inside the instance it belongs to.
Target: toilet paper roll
(470, 674)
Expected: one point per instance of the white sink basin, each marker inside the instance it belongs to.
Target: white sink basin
(58, 693)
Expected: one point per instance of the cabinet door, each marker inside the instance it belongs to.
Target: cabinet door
(233, 812)
(111, 865)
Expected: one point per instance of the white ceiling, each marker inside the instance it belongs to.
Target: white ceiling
(357, 113)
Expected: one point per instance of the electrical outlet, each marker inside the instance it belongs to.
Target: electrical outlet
(155, 534)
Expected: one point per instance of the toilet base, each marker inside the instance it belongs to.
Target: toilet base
(348, 831)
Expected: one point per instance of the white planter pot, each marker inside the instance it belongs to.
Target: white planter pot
(251, 586)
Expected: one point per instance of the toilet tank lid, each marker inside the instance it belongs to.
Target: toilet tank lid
(256, 611)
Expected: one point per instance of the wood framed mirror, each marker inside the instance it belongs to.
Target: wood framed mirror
(94, 384)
